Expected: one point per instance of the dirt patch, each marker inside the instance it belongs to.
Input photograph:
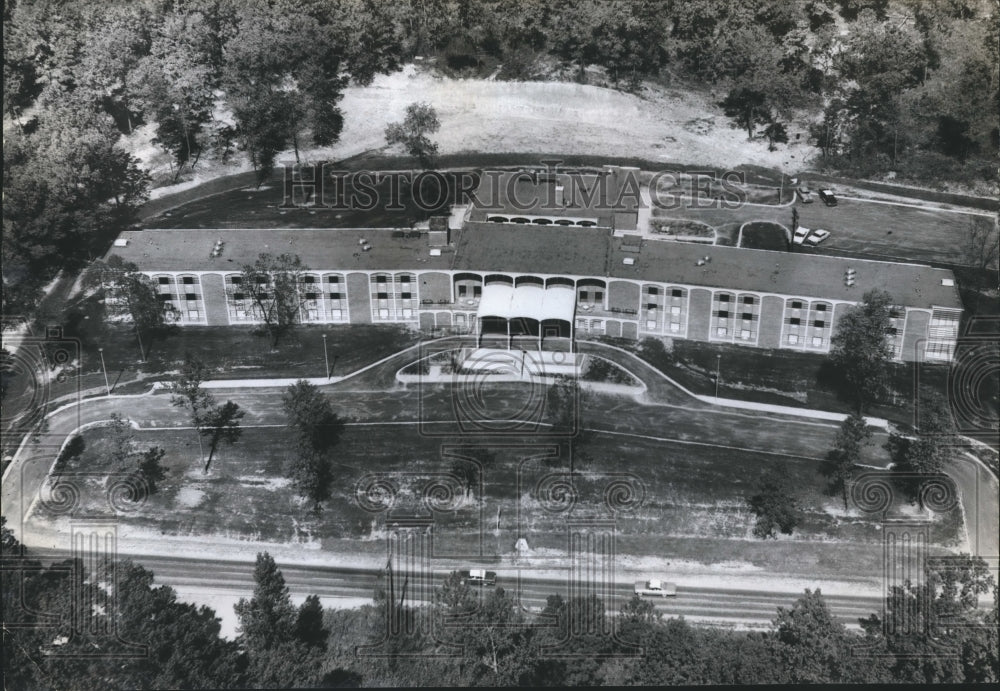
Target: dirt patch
(494, 116)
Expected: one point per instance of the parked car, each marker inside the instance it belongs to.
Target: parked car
(818, 236)
(828, 197)
(805, 195)
(655, 588)
(800, 235)
(479, 577)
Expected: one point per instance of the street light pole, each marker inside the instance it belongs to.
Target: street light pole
(326, 357)
(718, 364)
(107, 385)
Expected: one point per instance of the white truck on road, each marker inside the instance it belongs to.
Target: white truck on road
(655, 588)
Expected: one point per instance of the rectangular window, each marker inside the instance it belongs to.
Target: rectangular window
(404, 279)
(745, 335)
(723, 298)
(335, 296)
(164, 281)
(677, 293)
(477, 291)
(675, 310)
(309, 279)
(333, 279)
(821, 308)
(652, 290)
(794, 321)
(192, 314)
(383, 296)
(723, 314)
(239, 296)
(721, 331)
(462, 290)
(748, 300)
(651, 306)
(190, 296)
(236, 280)
(796, 305)
(188, 280)
(819, 323)
(380, 279)
(748, 316)
(793, 339)
(650, 325)
(312, 296)
(406, 296)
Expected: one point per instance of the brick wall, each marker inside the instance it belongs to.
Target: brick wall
(213, 289)
(359, 298)
(699, 318)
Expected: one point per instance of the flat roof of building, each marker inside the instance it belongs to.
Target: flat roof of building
(549, 250)
(533, 249)
(785, 273)
(319, 248)
(552, 194)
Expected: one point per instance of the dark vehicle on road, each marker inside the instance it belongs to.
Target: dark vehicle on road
(828, 197)
(479, 577)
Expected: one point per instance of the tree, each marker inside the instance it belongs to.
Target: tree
(860, 350)
(930, 451)
(221, 423)
(853, 436)
(130, 293)
(271, 284)
(421, 120)
(187, 392)
(309, 623)
(268, 616)
(316, 429)
(74, 448)
(932, 620)
(121, 439)
(150, 469)
(774, 506)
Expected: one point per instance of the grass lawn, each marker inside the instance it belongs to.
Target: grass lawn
(786, 377)
(692, 498)
(763, 235)
(233, 352)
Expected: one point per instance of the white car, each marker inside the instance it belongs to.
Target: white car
(800, 235)
(655, 588)
(818, 236)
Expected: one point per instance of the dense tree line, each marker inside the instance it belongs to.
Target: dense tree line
(480, 638)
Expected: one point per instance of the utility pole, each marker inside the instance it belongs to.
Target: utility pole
(107, 385)
(718, 365)
(326, 357)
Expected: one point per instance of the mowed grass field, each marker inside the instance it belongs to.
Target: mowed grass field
(687, 501)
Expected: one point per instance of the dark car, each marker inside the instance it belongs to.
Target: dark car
(828, 197)
(479, 577)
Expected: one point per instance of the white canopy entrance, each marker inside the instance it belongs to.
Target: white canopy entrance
(527, 310)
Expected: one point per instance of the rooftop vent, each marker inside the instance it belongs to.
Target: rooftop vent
(949, 282)
(121, 242)
(217, 249)
(628, 261)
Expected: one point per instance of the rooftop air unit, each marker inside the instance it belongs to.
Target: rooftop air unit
(121, 242)
(628, 261)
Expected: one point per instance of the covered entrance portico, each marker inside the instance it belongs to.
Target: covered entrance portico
(526, 315)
